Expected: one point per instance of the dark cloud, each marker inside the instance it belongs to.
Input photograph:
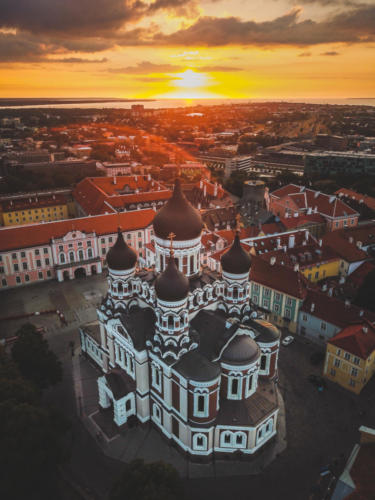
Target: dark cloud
(219, 69)
(147, 67)
(354, 26)
(304, 54)
(22, 48)
(76, 60)
(330, 53)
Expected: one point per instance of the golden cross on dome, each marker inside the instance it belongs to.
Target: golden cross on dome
(171, 237)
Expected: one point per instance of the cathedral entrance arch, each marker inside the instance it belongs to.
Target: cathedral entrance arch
(66, 276)
(80, 272)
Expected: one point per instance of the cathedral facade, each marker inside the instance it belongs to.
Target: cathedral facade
(180, 347)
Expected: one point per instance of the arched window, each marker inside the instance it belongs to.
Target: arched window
(240, 440)
(119, 287)
(201, 400)
(156, 376)
(156, 413)
(226, 439)
(263, 362)
(249, 387)
(199, 442)
(235, 293)
(62, 258)
(80, 255)
(71, 256)
(192, 264)
(170, 322)
(234, 387)
(89, 253)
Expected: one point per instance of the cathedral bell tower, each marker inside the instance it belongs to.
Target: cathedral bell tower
(235, 264)
(171, 339)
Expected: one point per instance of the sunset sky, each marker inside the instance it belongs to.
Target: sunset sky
(187, 48)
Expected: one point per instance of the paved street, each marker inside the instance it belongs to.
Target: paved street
(321, 427)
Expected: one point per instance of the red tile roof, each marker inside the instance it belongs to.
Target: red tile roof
(97, 194)
(304, 255)
(367, 200)
(358, 339)
(35, 201)
(12, 238)
(302, 220)
(340, 244)
(334, 311)
(362, 473)
(278, 277)
(357, 277)
(327, 205)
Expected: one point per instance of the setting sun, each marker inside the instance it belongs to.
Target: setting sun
(190, 79)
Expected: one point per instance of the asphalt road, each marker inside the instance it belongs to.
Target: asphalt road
(322, 427)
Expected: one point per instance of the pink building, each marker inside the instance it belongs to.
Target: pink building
(67, 249)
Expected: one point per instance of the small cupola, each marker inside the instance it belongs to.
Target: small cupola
(236, 260)
(171, 285)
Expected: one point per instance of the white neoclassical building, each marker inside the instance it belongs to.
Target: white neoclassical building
(180, 348)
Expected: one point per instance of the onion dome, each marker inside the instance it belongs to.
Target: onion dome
(242, 350)
(236, 260)
(120, 256)
(171, 285)
(178, 216)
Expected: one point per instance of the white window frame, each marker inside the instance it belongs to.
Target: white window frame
(203, 446)
(230, 394)
(197, 394)
(155, 369)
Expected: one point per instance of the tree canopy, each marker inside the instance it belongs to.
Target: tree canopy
(154, 481)
(34, 358)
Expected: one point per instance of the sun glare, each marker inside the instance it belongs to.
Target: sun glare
(189, 79)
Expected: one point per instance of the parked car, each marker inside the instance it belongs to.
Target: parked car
(288, 340)
(317, 381)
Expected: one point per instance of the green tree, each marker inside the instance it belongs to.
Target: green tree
(34, 358)
(140, 481)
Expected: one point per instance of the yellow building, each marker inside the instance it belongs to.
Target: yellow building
(350, 356)
(36, 208)
(323, 269)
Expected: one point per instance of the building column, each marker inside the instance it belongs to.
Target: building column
(119, 412)
(111, 349)
(104, 400)
(102, 336)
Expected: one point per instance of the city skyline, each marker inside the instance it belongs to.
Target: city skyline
(187, 49)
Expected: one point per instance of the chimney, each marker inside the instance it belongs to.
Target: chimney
(347, 303)
(291, 241)
(324, 287)
(320, 242)
(296, 267)
(114, 180)
(359, 244)
(351, 239)
(278, 242)
(307, 234)
(330, 292)
(295, 214)
(215, 189)
(272, 261)
(312, 307)
(285, 248)
(361, 312)
(342, 280)
(365, 329)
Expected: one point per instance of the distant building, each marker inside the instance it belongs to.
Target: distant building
(292, 199)
(350, 356)
(115, 169)
(100, 195)
(35, 207)
(334, 163)
(67, 249)
(322, 316)
(331, 142)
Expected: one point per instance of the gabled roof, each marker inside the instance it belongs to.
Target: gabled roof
(358, 339)
(278, 277)
(334, 311)
(347, 250)
(366, 200)
(327, 205)
(303, 255)
(302, 220)
(12, 238)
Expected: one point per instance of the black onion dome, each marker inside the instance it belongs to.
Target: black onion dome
(178, 216)
(242, 350)
(120, 256)
(171, 285)
(236, 260)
